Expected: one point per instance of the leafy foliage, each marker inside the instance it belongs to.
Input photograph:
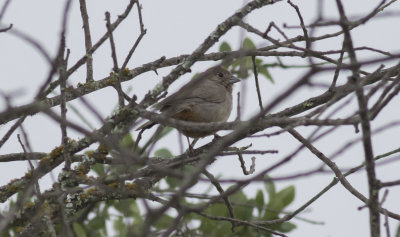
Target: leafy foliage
(243, 67)
(126, 218)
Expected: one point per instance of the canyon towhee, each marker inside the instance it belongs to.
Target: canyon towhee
(207, 98)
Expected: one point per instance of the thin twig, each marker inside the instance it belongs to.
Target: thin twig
(142, 33)
(112, 43)
(88, 40)
(63, 107)
(218, 186)
(365, 126)
(4, 8)
(337, 71)
(238, 113)
(113, 26)
(305, 33)
(273, 25)
(26, 153)
(117, 85)
(11, 130)
(6, 29)
(243, 165)
(257, 84)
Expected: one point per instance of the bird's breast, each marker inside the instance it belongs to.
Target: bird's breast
(206, 111)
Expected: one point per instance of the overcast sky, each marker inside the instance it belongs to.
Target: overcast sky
(177, 27)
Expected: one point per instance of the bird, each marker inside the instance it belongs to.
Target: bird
(208, 98)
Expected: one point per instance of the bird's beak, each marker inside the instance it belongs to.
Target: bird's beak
(233, 80)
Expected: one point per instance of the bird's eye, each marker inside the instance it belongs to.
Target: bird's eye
(220, 75)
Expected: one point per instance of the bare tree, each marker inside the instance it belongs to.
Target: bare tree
(116, 166)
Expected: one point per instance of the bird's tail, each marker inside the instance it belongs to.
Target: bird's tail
(146, 125)
(157, 135)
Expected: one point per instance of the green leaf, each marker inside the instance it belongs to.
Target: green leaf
(58, 228)
(165, 131)
(236, 63)
(206, 224)
(127, 141)
(98, 222)
(278, 202)
(225, 47)
(117, 205)
(164, 222)
(241, 209)
(281, 63)
(172, 182)
(126, 204)
(163, 152)
(224, 229)
(217, 209)
(260, 200)
(398, 231)
(248, 44)
(120, 227)
(78, 230)
(245, 231)
(128, 207)
(270, 187)
(267, 234)
(133, 206)
(104, 212)
(138, 222)
(98, 169)
(286, 195)
(287, 227)
(263, 70)
(243, 69)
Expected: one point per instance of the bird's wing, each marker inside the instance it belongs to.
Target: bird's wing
(206, 91)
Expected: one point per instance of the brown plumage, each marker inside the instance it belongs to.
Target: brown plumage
(207, 99)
